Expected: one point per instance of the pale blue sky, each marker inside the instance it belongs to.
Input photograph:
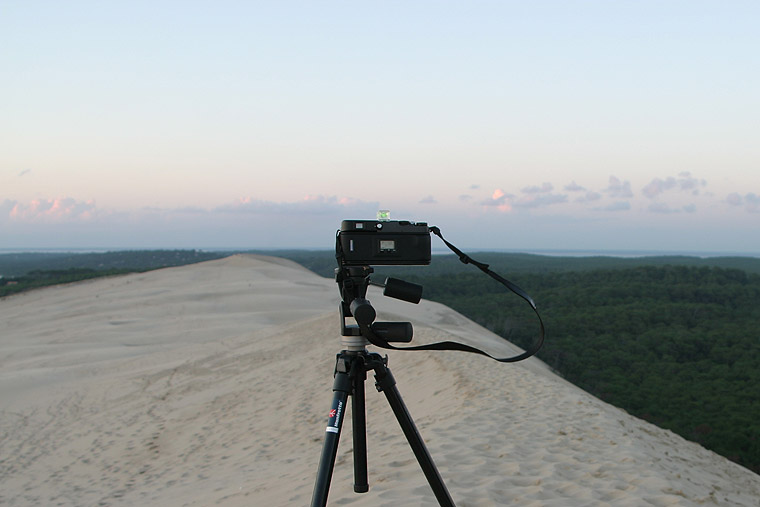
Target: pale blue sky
(567, 125)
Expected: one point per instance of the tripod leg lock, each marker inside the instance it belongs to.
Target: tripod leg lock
(342, 380)
(341, 365)
(384, 379)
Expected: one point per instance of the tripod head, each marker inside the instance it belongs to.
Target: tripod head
(361, 243)
(353, 282)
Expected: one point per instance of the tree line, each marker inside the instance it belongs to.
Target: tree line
(676, 345)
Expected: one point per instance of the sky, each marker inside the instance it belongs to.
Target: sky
(512, 125)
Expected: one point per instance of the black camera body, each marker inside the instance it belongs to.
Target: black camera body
(384, 242)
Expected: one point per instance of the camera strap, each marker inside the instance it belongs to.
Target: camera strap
(367, 332)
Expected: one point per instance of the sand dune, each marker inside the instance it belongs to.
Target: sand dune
(210, 384)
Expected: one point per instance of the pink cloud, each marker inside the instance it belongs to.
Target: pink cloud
(499, 200)
(59, 209)
(533, 197)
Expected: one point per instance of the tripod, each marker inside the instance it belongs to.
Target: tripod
(351, 369)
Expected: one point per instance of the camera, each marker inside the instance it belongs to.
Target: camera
(384, 242)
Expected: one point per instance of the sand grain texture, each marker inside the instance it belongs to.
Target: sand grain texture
(209, 384)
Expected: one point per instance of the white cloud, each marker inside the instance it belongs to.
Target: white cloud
(538, 201)
(684, 182)
(619, 189)
(428, 200)
(589, 196)
(658, 186)
(247, 223)
(574, 187)
(687, 182)
(734, 199)
(311, 204)
(750, 201)
(543, 189)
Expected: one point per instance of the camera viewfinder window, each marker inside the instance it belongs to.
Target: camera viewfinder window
(387, 245)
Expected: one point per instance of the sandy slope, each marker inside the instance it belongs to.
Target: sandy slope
(210, 385)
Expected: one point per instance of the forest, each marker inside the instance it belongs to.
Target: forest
(672, 340)
(675, 345)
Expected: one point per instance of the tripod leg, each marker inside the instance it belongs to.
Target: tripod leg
(387, 384)
(359, 418)
(341, 388)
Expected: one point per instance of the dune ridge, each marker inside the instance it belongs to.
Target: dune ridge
(209, 384)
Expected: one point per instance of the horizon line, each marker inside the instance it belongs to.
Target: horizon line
(549, 252)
